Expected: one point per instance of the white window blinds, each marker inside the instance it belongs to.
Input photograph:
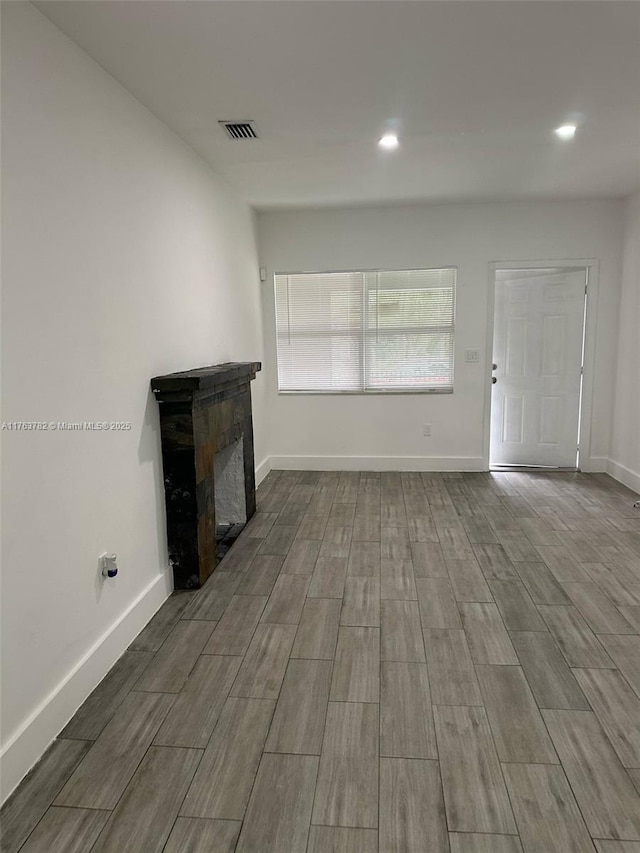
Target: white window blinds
(366, 331)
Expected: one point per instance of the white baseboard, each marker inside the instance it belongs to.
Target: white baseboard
(624, 475)
(28, 743)
(263, 469)
(378, 463)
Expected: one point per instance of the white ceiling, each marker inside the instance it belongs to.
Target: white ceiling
(474, 90)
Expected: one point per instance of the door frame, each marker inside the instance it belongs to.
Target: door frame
(586, 403)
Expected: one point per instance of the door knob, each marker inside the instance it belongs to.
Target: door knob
(493, 380)
(494, 366)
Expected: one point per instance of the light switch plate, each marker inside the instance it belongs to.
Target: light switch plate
(472, 355)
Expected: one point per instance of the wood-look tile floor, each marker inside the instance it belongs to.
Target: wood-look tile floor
(383, 663)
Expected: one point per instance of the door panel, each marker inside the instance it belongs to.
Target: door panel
(538, 332)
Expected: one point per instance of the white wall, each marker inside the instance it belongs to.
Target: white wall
(377, 431)
(124, 257)
(625, 443)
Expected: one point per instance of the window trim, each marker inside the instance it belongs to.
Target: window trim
(364, 392)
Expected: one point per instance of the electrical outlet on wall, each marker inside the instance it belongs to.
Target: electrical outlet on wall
(426, 429)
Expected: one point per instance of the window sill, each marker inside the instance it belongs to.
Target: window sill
(376, 392)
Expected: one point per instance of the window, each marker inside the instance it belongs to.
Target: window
(377, 331)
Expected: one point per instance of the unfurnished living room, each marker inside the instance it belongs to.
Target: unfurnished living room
(320, 426)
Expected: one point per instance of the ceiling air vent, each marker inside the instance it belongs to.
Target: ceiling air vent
(240, 129)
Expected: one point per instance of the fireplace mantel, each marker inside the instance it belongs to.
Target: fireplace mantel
(207, 457)
(216, 378)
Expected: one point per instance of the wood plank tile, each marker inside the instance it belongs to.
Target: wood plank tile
(195, 835)
(518, 729)
(223, 781)
(411, 806)
(625, 652)
(210, 602)
(241, 553)
(517, 547)
(607, 798)
(356, 672)
(196, 710)
(576, 640)
(94, 714)
(547, 814)
(632, 615)
(364, 559)
(618, 846)
(172, 664)
(299, 718)
(361, 604)
(454, 543)
(563, 566)
(541, 584)
(421, 529)
(621, 589)
(597, 609)
(291, 514)
(264, 665)
(31, 799)
(393, 514)
(342, 514)
(617, 708)
(317, 634)
(340, 839)
(487, 637)
(234, 631)
(287, 600)
(473, 842)
(475, 796)
(143, 818)
(302, 557)
(328, 578)
(451, 673)
(68, 830)
(104, 773)
(518, 611)
(479, 531)
(162, 624)
(538, 531)
(552, 682)
(260, 576)
(467, 581)
(394, 543)
(336, 542)
(347, 787)
(259, 526)
(438, 608)
(366, 528)
(494, 562)
(397, 580)
(401, 631)
(279, 812)
(406, 716)
(428, 560)
(279, 540)
(312, 527)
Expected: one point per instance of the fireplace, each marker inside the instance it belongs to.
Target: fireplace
(208, 465)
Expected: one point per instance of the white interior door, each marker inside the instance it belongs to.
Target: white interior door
(537, 350)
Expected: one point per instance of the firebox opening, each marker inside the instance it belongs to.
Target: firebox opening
(230, 497)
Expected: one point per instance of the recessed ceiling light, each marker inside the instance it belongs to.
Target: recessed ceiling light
(389, 140)
(566, 131)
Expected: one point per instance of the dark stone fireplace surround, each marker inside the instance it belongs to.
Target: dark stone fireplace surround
(202, 413)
